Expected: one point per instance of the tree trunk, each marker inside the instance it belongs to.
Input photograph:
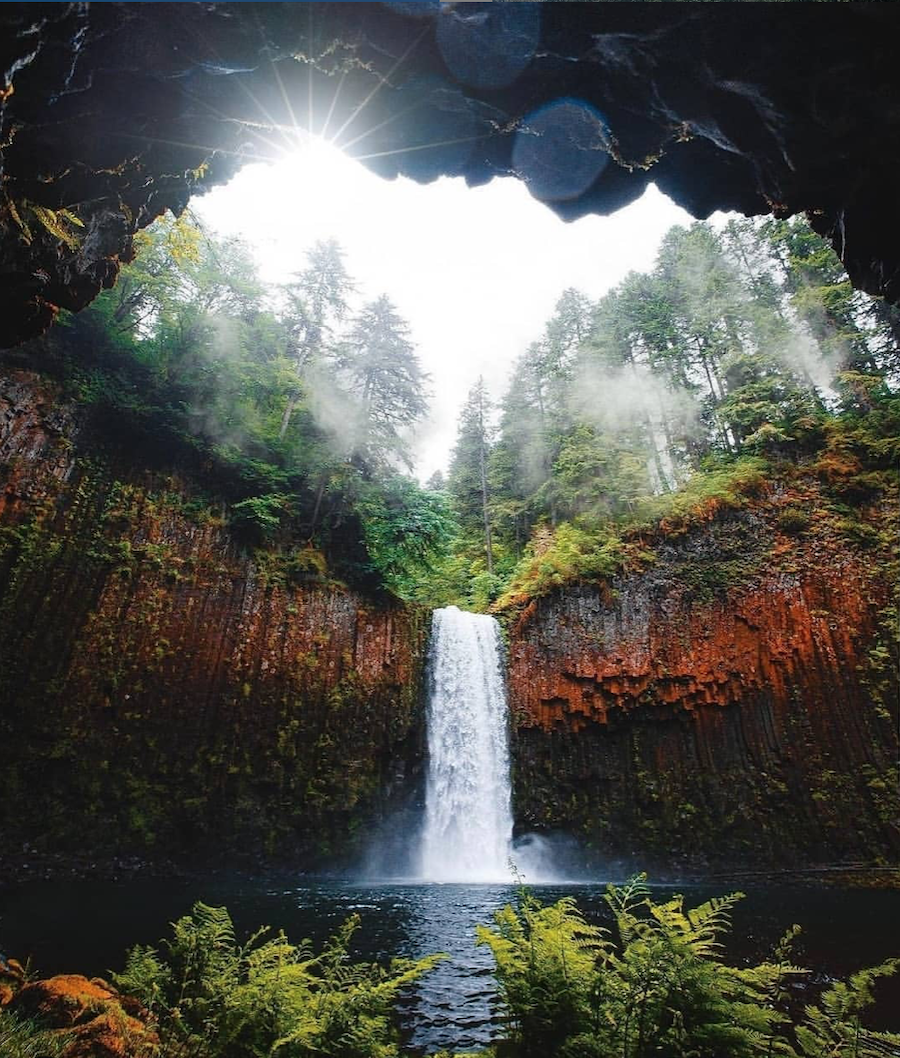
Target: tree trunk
(318, 506)
(292, 403)
(484, 495)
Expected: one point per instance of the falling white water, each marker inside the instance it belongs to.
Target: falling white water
(468, 817)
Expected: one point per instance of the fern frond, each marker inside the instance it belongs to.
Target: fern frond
(56, 222)
(72, 218)
(624, 901)
(834, 1028)
(785, 944)
(628, 897)
(17, 217)
(714, 917)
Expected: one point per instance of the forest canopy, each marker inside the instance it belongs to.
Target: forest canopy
(743, 348)
(296, 404)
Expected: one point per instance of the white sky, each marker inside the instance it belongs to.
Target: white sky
(476, 272)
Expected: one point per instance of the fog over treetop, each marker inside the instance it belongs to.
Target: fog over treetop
(475, 271)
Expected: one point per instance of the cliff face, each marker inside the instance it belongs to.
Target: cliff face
(163, 690)
(735, 704)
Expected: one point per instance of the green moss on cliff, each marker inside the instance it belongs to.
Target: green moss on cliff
(168, 692)
(734, 702)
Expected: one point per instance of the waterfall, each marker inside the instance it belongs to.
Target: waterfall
(468, 818)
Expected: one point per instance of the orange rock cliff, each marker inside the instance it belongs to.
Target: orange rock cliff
(168, 693)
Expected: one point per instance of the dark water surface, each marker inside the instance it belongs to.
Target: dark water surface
(86, 927)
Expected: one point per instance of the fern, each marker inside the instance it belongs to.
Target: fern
(145, 976)
(835, 1029)
(215, 998)
(624, 901)
(704, 924)
(58, 222)
(662, 990)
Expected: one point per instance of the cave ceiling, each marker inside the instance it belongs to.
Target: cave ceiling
(112, 113)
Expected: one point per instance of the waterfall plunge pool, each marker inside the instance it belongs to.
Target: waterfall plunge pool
(464, 841)
(86, 927)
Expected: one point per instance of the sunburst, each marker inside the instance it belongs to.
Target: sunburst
(279, 139)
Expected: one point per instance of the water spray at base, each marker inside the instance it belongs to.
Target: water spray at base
(467, 834)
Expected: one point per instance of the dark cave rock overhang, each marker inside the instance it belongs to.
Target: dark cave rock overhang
(111, 113)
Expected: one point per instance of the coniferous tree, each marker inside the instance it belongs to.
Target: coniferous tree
(383, 371)
(468, 478)
(853, 332)
(668, 378)
(520, 461)
(317, 302)
(437, 482)
(883, 320)
(187, 357)
(553, 358)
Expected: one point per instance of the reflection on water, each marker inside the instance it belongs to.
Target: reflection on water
(86, 927)
(452, 1005)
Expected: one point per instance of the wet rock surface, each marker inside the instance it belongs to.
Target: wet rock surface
(112, 113)
(717, 709)
(168, 693)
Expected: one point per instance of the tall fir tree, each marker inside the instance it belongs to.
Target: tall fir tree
(383, 371)
(468, 477)
(316, 304)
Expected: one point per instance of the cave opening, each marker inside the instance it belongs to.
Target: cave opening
(116, 112)
(474, 272)
(672, 478)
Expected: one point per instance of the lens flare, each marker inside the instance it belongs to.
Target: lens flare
(561, 149)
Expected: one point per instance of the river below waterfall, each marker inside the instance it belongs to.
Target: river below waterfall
(85, 927)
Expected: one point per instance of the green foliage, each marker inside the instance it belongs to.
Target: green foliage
(545, 965)
(563, 556)
(460, 576)
(651, 409)
(834, 1029)
(261, 516)
(722, 485)
(658, 986)
(382, 368)
(215, 998)
(586, 551)
(60, 224)
(671, 400)
(294, 416)
(407, 530)
(468, 482)
(21, 1038)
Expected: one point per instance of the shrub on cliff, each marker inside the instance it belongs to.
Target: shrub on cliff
(215, 998)
(659, 988)
(556, 558)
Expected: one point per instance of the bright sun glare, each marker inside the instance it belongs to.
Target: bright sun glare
(319, 165)
(475, 271)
